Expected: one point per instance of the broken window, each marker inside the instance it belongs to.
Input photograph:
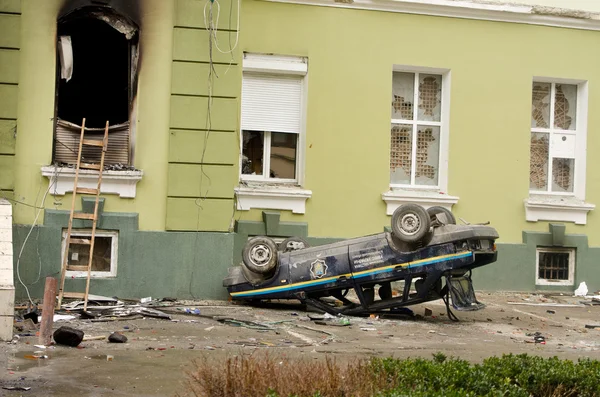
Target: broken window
(96, 80)
(554, 136)
(416, 105)
(555, 266)
(271, 126)
(104, 259)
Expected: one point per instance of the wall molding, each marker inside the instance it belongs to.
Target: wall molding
(557, 209)
(272, 197)
(122, 183)
(509, 12)
(395, 198)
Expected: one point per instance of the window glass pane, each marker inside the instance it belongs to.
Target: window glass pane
(538, 162)
(553, 265)
(403, 94)
(252, 152)
(283, 155)
(563, 175)
(540, 105)
(565, 106)
(430, 97)
(79, 254)
(400, 154)
(428, 155)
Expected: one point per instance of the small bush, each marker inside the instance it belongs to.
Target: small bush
(509, 375)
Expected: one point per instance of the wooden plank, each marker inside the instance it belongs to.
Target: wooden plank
(10, 30)
(7, 174)
(81, 241)
(45, 337)
(83, 215)
(8, 101)
(93, 142)
(86, 190)
(9, 66)
(218, 180)
(191, 112)
(74, 268)
(186, 214)
(192, 79)
(187, 146)
(193, 45)
(191, 13)
(74, 295)
(12, 6)
(8, 131)
(89, 166)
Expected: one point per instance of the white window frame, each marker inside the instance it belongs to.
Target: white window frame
(425, 195)
(76, 233)
(283, 66)
(580, 134)
(542, 281)
(563, 206)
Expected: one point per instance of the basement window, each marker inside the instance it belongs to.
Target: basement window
(96, 80)
(104, 260)
(555, 266)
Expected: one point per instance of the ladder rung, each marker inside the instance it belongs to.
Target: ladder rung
(86, 190)
(75, 268)
(93, 142)
(80, 295)
(89, 166)
(83, 215)
(81, 241)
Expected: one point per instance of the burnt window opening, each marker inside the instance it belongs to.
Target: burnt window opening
(96, 80)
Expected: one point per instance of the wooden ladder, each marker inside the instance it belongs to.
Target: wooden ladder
(103, 144)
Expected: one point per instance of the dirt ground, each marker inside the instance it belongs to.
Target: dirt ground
(158, 353)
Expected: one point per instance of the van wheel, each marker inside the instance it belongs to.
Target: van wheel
(446, 217)
(260, 255)
(410, 223)
(293, 244)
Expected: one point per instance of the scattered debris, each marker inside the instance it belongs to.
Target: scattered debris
(63, 317)
(89, 338)
(21, 388)
(116, 337)
(551, 311)
(68, 336)
(548, 304)
(592, 326)
(245, 324)
(428, 312)
(582, 290)
(33, 315)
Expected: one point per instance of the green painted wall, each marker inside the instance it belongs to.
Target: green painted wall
(158, 264)
(10, 31)
(204, 143)
(351, 54)
(36, 109)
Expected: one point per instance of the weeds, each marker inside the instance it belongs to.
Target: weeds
(510, 375)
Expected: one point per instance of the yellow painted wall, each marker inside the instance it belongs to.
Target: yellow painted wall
(351, 54)
(36, 110)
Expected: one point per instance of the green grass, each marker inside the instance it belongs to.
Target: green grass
(509, 375)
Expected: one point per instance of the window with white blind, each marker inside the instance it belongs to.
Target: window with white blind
(272, 118)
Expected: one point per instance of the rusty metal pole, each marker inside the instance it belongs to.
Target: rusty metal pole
(48, 311)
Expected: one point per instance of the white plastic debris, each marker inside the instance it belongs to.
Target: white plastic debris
(63, 317)
(582, 290)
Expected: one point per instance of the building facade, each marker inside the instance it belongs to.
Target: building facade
(311, 118)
